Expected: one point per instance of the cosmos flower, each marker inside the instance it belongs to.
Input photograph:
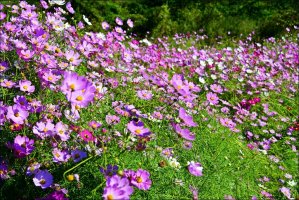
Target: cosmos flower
(140, 131)
(78, 155)
(118, 21)
(117, 188)
(105, 25)
(22, 146)
(141, 179)
(195, 168)
(186, 118)
(184, 133)
(43, 179)
(26, 86)
(130, 23)
(17, 114)
(60, 155)
(110, 171)
(70, 8)
(212, 98)
(144, 94)
(86, 135)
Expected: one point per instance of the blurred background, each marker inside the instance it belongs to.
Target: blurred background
(157, 18)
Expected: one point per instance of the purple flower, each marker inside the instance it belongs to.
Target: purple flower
(43, 129)
(17, 114)
(119, 21)
(94, 124)
(73, 57)
(3, 170)
(56, 195)
(62, 131)
(184, 133)
(112, 119)
(117, 188)
(188, 120)
(110, 171)
(22, 146)
(43, 179)
(216, 88)
(141, 179)
(26, 86)
(60, 155)
(195, 168)
(70, 8)
(138, 130)
(33, 169)
(78, 155)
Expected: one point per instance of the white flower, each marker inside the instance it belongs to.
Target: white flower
(57, 2)
(174, 163)
(86, 20)
(292, 183)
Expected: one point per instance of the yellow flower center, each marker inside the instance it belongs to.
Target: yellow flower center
(179, 87)
(137, 131)
(72, 86)
(25, 87)
(139, 179)
(110, 197)
(45, 130)
(17, 114)
(50, 78)
(79, 98)
(71, 59)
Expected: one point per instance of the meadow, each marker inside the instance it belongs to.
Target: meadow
(105, 115)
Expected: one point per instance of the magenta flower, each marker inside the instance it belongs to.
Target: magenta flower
(26, 86)
(17, 114)
(141, 179)
(186, 118)
(195, 168)
(86, 135)
(43, 179)
(138, 129)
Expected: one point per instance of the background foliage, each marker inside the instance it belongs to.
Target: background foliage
(166, 17)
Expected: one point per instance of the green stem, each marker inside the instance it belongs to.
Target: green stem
(82, 162)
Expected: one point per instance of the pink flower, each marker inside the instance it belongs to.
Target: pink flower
(186, 118)
(130, 23)
(86, 136)
(26, 86)
(212, 98)
(141, 179)
(195, 168)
